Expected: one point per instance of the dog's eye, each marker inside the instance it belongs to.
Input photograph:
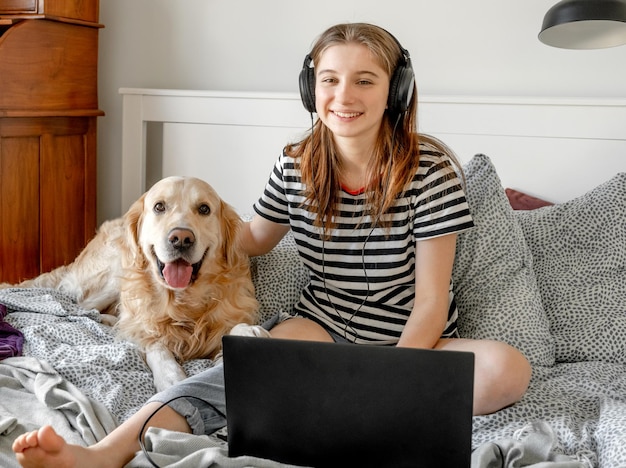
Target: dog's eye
(159, 207)
(204, 209)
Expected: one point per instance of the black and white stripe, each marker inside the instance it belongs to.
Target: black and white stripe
(362, 278)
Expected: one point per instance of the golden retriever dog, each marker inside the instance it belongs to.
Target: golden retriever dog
(170, 270)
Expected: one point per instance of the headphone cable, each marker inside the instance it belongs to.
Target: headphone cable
(375, 222)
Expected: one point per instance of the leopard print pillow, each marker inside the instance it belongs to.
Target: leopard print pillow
(579, 251)
(279, 277)
(495, 287)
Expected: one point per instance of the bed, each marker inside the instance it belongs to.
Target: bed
(544, 270)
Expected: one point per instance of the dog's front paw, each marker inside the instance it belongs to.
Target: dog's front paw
(165, 369)
(108, 319)
(164, 379)
(243, 329)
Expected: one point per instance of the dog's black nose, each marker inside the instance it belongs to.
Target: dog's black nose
(181, 239)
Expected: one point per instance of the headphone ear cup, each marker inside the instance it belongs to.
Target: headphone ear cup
(307, 85)
(401, 89)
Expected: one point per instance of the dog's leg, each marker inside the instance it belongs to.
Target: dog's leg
(165, 369)
(243, 329)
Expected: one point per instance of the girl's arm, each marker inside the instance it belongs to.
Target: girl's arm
(259, 236)
(433, 269)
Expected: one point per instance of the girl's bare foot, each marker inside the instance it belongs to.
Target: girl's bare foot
(45, 448)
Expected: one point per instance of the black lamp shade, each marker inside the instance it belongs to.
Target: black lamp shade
(585, 24)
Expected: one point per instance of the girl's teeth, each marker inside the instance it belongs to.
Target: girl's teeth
(347, 115)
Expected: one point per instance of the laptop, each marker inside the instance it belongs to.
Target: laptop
(341, 405)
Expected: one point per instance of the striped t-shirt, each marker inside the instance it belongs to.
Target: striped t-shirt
(362, 279)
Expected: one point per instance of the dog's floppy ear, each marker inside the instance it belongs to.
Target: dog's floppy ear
(231, 223)
(132, 225)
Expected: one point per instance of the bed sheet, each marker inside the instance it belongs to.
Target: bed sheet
(583, 403)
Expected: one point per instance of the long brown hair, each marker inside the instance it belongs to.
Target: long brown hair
(396, 153)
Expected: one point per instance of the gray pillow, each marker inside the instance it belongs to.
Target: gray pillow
(495, 287)
(279, 277)
(579, 251)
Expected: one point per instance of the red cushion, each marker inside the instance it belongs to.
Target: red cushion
(523, 201)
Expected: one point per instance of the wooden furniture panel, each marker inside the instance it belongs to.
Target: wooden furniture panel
(61, 76)
(18, 6)
(68, 180)
(47, 193)
(19, 205)
(81, 10)
(48, 111)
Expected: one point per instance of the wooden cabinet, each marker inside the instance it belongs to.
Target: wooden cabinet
(48, 122)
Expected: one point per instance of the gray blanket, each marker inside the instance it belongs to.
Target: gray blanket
(34, 394)
(532, 447)
(179, 450)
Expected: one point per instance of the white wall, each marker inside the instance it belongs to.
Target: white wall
(485, 47)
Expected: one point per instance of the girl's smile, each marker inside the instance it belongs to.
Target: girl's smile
(346, 115)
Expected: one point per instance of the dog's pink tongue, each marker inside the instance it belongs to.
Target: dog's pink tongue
(178, 273)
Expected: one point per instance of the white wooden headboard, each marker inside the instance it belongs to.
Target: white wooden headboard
(555, 149)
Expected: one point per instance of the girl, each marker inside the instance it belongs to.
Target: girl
(375, 208)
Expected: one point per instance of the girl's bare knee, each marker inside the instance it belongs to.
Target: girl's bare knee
(299, 328)
(502, 377)
(501, 372)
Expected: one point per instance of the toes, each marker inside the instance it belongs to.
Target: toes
(49, 440)
(45, 437)
(24, 441)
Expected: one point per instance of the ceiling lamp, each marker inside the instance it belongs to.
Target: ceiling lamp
(585, 24)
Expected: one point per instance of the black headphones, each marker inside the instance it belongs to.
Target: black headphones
(400, 87)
